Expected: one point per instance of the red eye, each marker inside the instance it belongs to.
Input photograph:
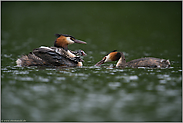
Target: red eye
(104, 58)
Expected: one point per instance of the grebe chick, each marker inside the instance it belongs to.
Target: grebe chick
(59, 55)
(149, 62)
(78, 52)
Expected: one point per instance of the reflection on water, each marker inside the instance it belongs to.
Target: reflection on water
(92, 93)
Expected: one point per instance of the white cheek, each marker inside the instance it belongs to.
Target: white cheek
(107, 59)
(69, 40)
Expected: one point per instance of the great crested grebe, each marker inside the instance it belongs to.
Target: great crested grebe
(142, 62)
(59, 55)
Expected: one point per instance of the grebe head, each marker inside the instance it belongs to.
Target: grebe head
(63, 40)
(81, 53)
(112, 56)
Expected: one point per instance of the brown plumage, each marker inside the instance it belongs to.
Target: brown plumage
(48, 57)
(54, 56)
(142, 62)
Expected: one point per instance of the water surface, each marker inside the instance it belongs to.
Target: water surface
(90, 93)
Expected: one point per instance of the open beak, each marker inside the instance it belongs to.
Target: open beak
(79, 41)
(100, 62)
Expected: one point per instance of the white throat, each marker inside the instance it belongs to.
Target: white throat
(120, 62)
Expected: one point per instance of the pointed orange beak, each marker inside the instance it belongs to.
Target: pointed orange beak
(79, 41)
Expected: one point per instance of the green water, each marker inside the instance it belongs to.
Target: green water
(138, 29)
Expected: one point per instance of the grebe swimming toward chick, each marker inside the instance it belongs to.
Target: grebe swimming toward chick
(142, 62)
(59, 55)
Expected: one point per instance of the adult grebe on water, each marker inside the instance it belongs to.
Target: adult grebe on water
(142, 62)
(59, 55)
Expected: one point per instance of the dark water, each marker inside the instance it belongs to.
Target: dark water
(138, 29)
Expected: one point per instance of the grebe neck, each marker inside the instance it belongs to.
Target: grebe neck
(122, 61)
